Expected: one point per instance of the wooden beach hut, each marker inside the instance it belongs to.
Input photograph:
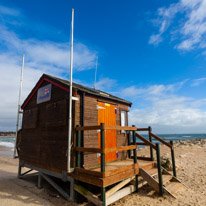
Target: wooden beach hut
(103, 153)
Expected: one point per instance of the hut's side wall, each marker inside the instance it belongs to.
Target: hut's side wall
(91, 137)
(44, 133)
(44, 136)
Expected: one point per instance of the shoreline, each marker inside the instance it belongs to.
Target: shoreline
(9, 135)
(191, 170)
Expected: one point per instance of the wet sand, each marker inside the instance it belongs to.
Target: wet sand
(6, 152)
(190, 160)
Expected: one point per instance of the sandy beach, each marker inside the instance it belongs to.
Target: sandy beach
(190, 160)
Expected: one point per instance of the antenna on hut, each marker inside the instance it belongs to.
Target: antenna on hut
(70, 98)
(19, 105)
(95, 72)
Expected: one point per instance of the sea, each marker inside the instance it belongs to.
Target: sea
(9, 141)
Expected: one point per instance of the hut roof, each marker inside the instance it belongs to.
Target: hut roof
(64, 84)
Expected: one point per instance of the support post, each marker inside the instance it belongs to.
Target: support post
(78, 145)
(150, 139)
(135, 157)
(102, 147)
(78, 160)
(173, 159)
(103, 196)
(19, 171)
(72, 190)
(57, 187)
(129, 143)
(39, 184)
(159, 170)
(103, 189)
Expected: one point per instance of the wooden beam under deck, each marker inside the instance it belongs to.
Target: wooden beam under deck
(97, 172)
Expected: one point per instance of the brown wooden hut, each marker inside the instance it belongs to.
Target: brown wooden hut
(44, 133)
(42, 143)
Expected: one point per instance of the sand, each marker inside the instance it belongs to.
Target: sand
(190, 159)
(6, 152)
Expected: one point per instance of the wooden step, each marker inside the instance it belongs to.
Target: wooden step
(152, 171)
(166, 178)
(173, 187)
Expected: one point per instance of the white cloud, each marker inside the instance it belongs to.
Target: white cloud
(47, 53)
(197, 82)
(157, 90)
(8, 11)
(40, 57)
(164, 110)
(155, 39)
(169, 118)
(105, 84)
(189, 29)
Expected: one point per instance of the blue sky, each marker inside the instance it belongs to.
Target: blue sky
(152, 53)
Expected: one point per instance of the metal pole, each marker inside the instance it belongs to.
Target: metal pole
(103, 196)
(103, 189)
(135, 157)
(70, 99)
(95, 73)
(78, 145)
(129, 143)
(39, 183)
(19, 171)
(159, 170)
(173, 159)
(102, 147)
(19, 104)
(150, 139)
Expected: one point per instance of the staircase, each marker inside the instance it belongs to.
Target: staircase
(170, 183)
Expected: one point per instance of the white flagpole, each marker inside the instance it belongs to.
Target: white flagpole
(19, 104)
(95, 73)
(70, 99)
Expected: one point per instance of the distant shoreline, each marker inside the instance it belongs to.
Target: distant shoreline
(7, 135)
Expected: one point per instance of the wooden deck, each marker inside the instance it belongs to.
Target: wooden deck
(114, 172)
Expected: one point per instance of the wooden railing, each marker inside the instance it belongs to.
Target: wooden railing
(103, 151)
(105, 127)
(132, 145)
(157, 148)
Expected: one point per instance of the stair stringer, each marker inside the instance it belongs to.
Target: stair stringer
(153, 182)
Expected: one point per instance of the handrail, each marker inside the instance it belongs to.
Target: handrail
(117, 127)
(86, 149)
(142, 129)
(145, 141)
(141, 143)
(117, 149)
(106, 127)
(96, 127)
(161, 140)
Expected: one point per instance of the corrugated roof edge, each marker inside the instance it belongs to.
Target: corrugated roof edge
(79, 87)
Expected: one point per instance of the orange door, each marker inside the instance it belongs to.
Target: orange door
(106, 115)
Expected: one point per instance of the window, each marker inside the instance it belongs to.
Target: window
(123, 119)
